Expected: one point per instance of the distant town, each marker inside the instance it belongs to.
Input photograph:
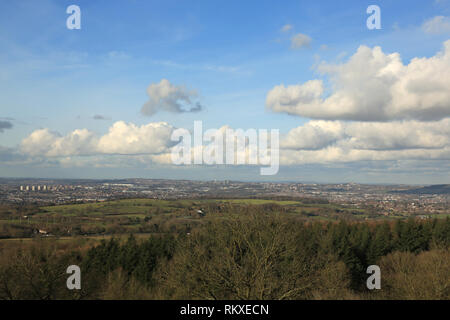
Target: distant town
(381, 199)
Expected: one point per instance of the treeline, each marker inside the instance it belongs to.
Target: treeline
(304, 200)
(251, 256)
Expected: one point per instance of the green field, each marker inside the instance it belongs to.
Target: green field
(150, 216)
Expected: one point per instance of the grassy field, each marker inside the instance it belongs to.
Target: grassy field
(153, 216)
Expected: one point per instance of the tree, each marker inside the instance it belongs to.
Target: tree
(381, 243)
(250, 257)
(410, 276)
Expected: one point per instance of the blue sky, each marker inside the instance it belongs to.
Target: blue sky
(231, 52)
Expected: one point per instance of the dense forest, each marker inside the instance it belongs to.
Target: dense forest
(249, 256)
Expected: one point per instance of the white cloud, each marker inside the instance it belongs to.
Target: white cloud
(164, 96)
(128, 138)
(39, 142)
(122, 138)
(315, 142)
(313, 135)
(300, 40)
(372, 86)
(335, 154)
(320, 141)
(51, 144)
(398, 135)
(436, 25)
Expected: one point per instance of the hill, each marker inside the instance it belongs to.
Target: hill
(433, 189)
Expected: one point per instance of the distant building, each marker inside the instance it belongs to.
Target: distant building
(21, 188)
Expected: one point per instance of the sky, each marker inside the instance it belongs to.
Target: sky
(351, 104)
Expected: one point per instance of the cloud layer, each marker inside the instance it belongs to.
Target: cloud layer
(320, 141)
(372, 86)
(317, 141)
(122, 138)
(164, 96)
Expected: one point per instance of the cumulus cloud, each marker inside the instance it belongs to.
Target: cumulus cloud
(436, 25)
(5, 125)
(51, 144)
(335, 154)
(300, 40)
(122, 138)
(320, 141)
(164, 96)
(398, 135)
(128, 138)
(372, 86)
(315, 142)
(313, 135)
